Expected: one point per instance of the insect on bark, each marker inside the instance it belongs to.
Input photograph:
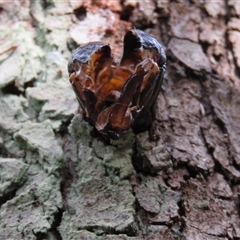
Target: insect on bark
(116, 95)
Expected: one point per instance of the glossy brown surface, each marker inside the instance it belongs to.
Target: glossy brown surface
(113, 94)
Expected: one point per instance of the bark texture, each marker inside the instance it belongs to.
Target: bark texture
(179, 180)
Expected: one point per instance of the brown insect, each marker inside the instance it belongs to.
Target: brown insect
(116, 95)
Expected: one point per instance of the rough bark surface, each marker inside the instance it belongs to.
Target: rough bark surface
(179, 180)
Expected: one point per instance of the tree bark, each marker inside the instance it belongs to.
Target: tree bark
(179, 180)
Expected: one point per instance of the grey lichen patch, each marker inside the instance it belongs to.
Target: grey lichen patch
(89, 167)
(52, 101)
(81, 234)
(13, 173)
(100, 205)
(8, 233)
(97, 203)
(33, 208)
(52, 19)
(118, 237)
(46, 187)
(58, 39)
(11, 121)
(97, 200)
(56, 35)
(80, 130)
(148, 195)
(126, 141)
(55, 68)
(12, 113)
(26, 59)
(63, 106)
(118, 163)
(12, 147)
(84, 234)
(6, 76)
(117, 157)
(42, 147)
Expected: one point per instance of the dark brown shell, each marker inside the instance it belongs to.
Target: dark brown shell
(114, 94)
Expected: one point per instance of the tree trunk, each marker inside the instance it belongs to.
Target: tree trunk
(60, 180)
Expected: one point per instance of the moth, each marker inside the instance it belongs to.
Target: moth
(117, 94)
